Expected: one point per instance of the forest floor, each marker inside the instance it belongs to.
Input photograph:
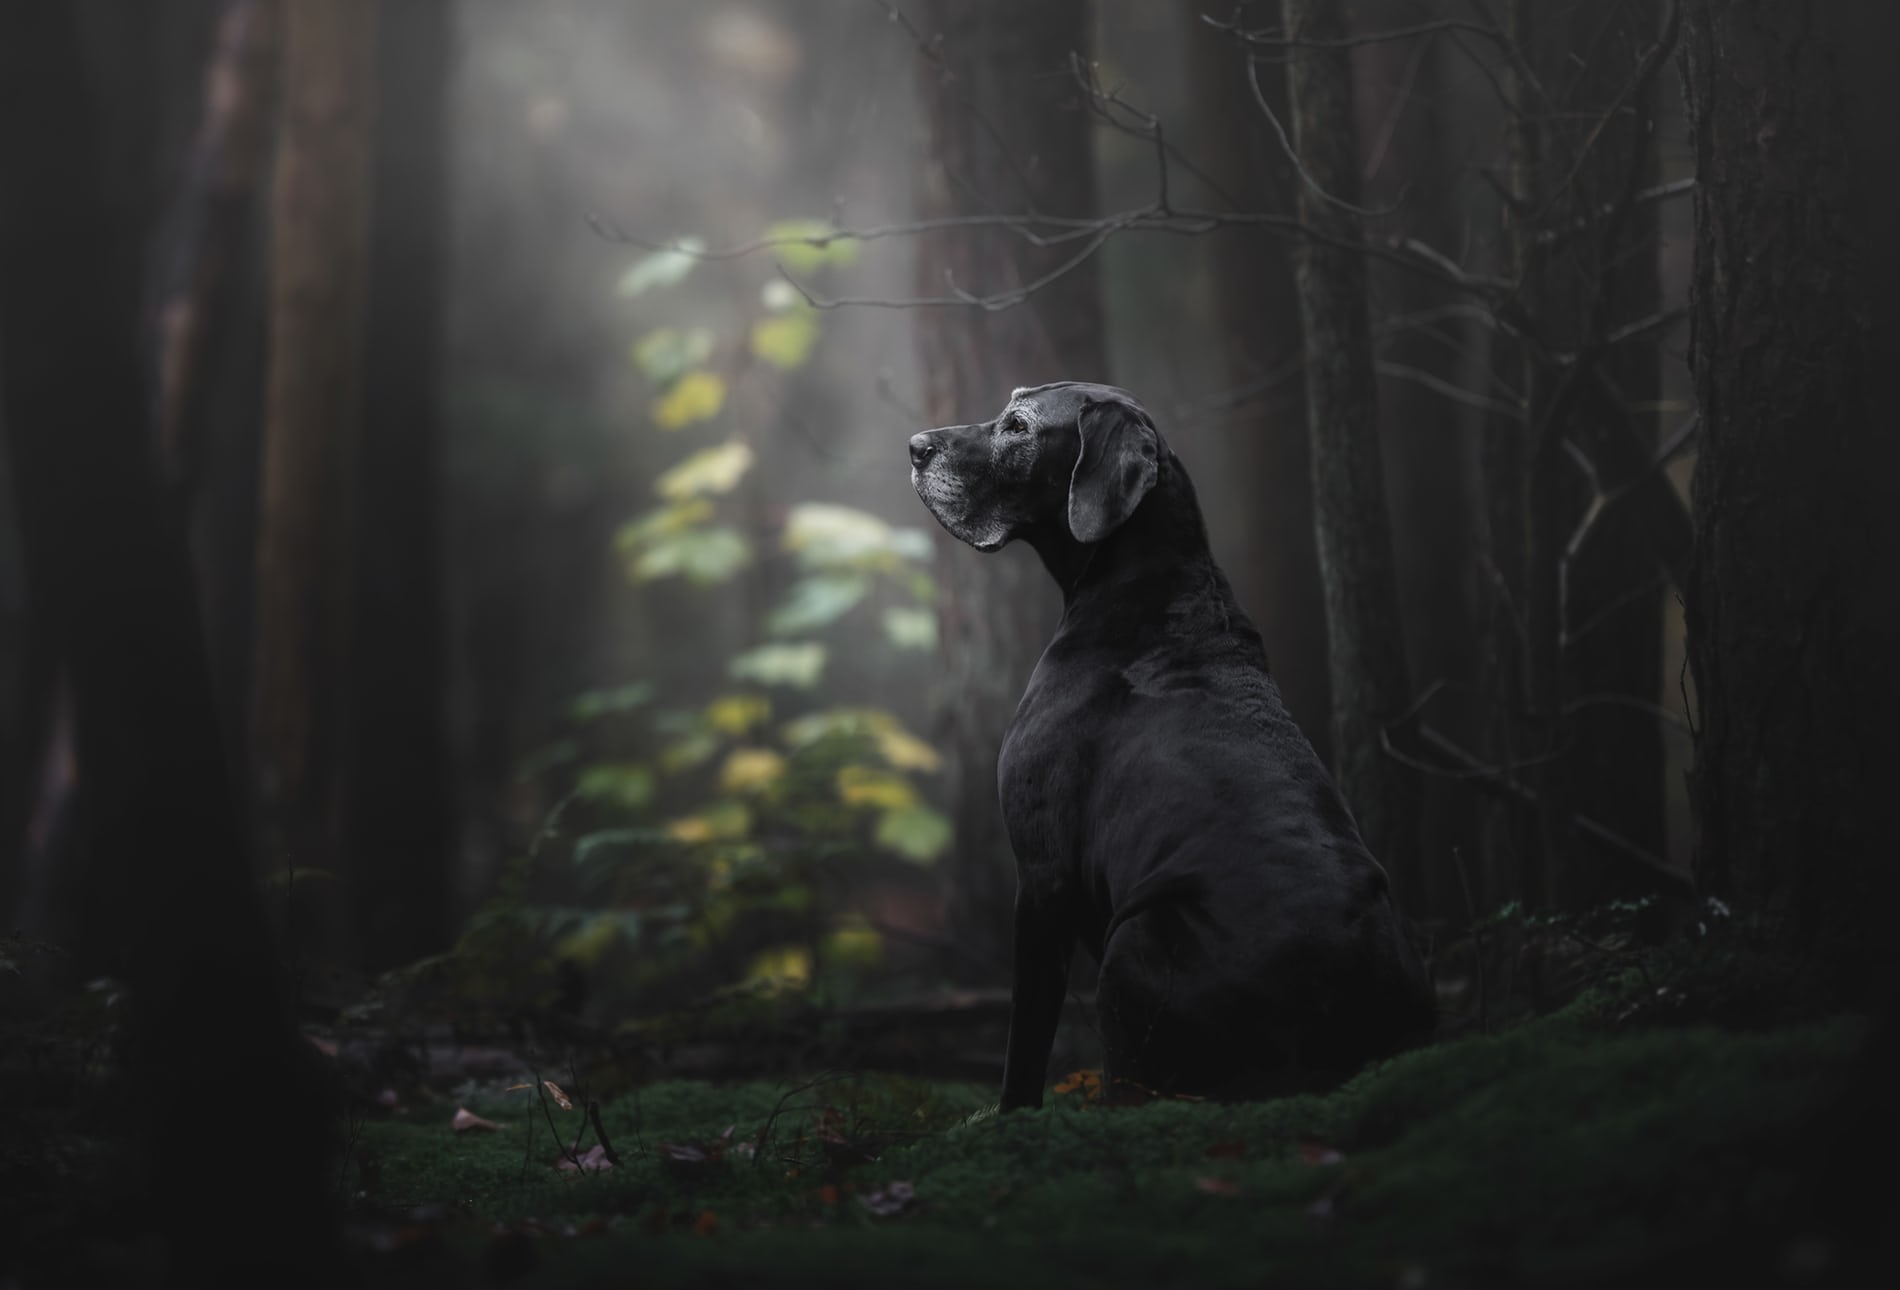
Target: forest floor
(1638, 1132)
(1686, 1116)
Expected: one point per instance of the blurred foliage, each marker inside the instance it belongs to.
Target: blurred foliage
(710, 846)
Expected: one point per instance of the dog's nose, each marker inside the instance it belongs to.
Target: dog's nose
(922, 449)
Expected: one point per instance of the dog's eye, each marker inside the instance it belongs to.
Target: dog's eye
(1013, 424)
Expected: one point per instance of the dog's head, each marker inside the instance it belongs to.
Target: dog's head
(1071, 456)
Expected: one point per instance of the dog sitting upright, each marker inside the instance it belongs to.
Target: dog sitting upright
(1163, 807)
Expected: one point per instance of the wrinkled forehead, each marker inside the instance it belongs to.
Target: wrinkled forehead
(1063, 401)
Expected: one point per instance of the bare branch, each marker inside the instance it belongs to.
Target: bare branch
(1293, 155)
(1642, 197)
(1280, 40)
(1456, 393)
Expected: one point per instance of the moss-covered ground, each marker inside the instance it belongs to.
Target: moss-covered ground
(1598, 1145)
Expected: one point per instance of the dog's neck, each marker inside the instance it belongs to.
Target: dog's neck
(1156, 551)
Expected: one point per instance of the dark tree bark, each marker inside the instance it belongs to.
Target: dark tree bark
(1408, 110)
(319, 206)
(400, 815)
(171, 908)
(1007, 133)
(1259, 329)
(1371, 688)
(1791, 610)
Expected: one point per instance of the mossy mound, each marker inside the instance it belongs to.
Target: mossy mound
(1572, 1150)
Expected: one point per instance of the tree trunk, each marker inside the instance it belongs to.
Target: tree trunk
(1006, 133)
(1277, 581)
(1791, 610)
(1371, 688)
(319, 214)
(1408, 109)
(170, 906)
(399, 833)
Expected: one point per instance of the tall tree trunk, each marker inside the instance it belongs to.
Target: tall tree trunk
(170, 901)
(1407, 109)
(1371, 688)
(1791, 610)
(1259, 327)
(1007, 133)
(319, 210)
(205, 340)
(399, 832)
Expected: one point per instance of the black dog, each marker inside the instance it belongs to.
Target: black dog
(1162, 804)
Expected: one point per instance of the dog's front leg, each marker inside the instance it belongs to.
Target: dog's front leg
(1045, 939)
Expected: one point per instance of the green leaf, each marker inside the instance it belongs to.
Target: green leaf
(615, 846)
(815, 601)
(808, 244)
(785, 340)
(594, 704)
(696, 396)
(720, 822)
(598, 933)
(703, 556)
(665, 354)
(662, 268)
(709, 471)
(911, 628)
(626, 785)
(813, 726)
(828, 536)
(916, 833)
(693, 749)
(797, 664)
(641, 531)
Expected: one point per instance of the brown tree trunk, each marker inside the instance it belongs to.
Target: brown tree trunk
(1007, 133)
(319, 210)
(1371, 688)
(1259, 330)
(399, 831)
(1791, 609)
(169, 901)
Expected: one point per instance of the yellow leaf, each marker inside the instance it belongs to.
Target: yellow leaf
(785, 340)
(906, 751)
(751, 770)
(862, 786)
(696, 396)
(734, 714)
(785, 966)
(711, 470)
(854, 944)
(718, 823)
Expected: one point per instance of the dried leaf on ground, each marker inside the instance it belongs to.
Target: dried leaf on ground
(889, 1200)
(466, 1120)
(591, 1161)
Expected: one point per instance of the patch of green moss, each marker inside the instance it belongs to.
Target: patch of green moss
(1571, 1150)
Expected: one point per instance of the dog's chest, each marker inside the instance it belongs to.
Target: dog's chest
(1041, 778)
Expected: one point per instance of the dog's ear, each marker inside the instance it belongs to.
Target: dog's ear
(1114, 470)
